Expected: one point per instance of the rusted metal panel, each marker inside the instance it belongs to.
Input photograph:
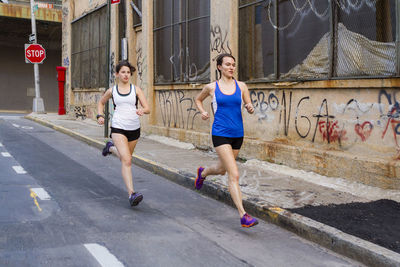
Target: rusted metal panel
(24, 12)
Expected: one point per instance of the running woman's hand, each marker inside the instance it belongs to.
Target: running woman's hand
(140, 112)
(100, 120)
(249, 107)
(204, 115)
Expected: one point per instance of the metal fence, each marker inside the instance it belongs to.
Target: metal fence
(318, 39)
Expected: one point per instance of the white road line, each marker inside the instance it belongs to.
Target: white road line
(6, 154)
(19, 169)
(41, 193)
(1, 144)
(10, 117)
(15, 125)
(103, 255)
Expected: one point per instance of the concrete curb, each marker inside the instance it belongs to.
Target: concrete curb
(324, 235)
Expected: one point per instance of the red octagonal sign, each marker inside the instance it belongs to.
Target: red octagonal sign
(34, 53)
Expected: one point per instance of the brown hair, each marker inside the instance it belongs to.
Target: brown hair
(220, 59)
(125, 63)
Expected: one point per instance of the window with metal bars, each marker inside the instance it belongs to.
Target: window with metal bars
(88, 50)
(316, 40)
(137, 12)
(181, 41)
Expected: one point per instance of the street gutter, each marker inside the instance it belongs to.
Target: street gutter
(347, 245)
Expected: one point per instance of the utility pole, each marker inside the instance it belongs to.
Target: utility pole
(38, 105)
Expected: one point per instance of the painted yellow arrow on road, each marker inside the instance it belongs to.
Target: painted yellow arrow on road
(34, 196)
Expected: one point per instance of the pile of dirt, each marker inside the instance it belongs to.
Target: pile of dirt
(377, 221)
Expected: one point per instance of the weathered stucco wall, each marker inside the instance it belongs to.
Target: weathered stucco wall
(343, 132)
(80, 8)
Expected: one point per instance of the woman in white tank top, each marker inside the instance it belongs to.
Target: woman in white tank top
(125, 126)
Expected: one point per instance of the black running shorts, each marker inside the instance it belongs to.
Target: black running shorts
(235, 142)
(131, 135)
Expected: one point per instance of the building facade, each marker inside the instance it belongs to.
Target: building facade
(17, 86)
(323, 75)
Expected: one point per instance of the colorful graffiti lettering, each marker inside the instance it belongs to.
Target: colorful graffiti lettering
(331, 131)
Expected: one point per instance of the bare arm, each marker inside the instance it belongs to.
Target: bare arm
(100, 106)
(246, 98)
(199, 101)
(143, 102)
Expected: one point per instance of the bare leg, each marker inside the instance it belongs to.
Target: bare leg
(216, 169)
(227, 157)
(125, 150)
(114, 150)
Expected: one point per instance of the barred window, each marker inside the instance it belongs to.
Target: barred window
(181, 41)
(88, 50)
(308, 40)
(137, 12)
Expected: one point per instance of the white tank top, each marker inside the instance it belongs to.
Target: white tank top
(125, 116)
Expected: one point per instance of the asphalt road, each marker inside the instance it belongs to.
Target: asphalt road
(63, 204)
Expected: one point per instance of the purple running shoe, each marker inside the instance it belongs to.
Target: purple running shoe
(135, 198)
(198, 183)
(248, 221)
(106, 149)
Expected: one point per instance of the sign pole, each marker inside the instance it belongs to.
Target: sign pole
(38, 105)
(108, 48)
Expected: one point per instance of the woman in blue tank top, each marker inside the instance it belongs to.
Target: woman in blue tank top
(227, 129)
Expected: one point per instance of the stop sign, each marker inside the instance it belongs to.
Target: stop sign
(34, 53)
(115, 1)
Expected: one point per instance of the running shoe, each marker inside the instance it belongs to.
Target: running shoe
(106, 149)
(248, 221)
(198, 183)
(135, 198)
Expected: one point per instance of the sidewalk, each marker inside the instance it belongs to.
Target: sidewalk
(269, 190)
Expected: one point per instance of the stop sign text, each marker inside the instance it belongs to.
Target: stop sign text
(34, 53)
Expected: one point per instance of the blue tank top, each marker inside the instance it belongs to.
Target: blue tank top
(228, 121)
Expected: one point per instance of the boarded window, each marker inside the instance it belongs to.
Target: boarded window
(88, 51)
(181, 41)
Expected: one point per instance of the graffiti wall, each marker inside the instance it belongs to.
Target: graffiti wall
(359, 121)
(177, 109)
(344, 119)
(84, 104)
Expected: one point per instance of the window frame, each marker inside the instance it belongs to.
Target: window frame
(332, 50)
(181, 23)
(100, 81)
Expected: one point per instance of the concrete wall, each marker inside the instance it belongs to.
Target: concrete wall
(341, 128)
(17, 87)
(341, 132)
